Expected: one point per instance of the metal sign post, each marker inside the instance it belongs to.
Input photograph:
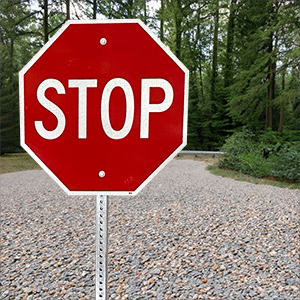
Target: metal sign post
(101, 246)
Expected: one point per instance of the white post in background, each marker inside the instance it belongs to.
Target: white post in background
(101, 246)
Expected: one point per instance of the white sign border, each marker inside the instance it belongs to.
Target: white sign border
(22, 108)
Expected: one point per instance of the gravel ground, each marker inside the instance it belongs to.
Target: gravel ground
(187, 235)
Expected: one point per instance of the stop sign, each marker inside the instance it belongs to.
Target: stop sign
(103, 106)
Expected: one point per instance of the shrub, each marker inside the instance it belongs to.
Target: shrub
(287, 162)
(265, 155)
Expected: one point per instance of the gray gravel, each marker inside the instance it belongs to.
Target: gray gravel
(187, 235)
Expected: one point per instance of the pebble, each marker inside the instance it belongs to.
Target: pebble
(187, 235)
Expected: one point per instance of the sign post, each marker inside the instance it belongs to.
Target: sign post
(101, 246)
(103, 108)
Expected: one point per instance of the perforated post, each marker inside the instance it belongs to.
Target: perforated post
(101, 246)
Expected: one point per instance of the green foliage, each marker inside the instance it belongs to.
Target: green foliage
(264, 155)
(115, 9)
(13, 24)
(264, 49)
(228, 46)
(287, 163)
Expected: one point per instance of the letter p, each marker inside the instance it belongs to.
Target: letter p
(147, 107)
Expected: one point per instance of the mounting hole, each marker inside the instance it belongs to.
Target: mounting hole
(103, 41)
(101, 174)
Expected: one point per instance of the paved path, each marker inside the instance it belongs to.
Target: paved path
(187, 235)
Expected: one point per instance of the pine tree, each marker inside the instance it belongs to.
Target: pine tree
(262, 42)
(14, 19)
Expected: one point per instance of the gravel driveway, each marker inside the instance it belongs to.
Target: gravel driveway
(187, 235)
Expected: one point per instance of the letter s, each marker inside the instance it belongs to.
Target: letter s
(55, 110)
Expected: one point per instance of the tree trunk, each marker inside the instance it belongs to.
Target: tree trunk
(228, 71)
(282, 104)
(178, 38)
(11, 81)
(45, 22)
(271, 86)
(68, 9)
(178, 28)
(201, 89)
(161, 29)
(95, 9)
(215, 52)
(199, 60)
(145, 11)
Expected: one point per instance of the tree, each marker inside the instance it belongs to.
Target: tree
(228, 68)
(161, 17)
(119, 9)
(263, 43)
(243, 57)
(45, 21)
(215, 52)
(14, 25)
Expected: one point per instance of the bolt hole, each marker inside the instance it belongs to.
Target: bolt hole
(101, 175)
(103, 41)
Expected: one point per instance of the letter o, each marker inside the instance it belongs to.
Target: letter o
(125, 86)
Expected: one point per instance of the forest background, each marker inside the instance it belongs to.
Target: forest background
(243, 57)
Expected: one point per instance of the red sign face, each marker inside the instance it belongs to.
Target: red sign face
(103, 106)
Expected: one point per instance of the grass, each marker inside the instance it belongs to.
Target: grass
(209, 158)
(17, 162)
(243, 177)
(214, 169)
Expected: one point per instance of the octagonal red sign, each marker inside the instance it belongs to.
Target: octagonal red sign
(103, 106)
